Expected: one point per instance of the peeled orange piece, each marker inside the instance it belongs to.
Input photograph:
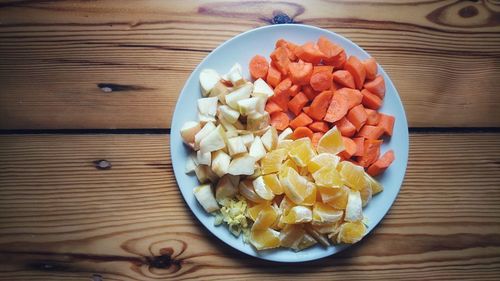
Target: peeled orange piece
(323, 213)
(264, 239)
(334, 196)
(254, 211)
(266, 218)
(310, 198)
(374, 184)
(366, 195)
(352, 174)
(271, 163)
(272, 181)
(354, 208)
(327, 176)
(351, 232)
(298, 214)
(294, 185)
(301, 153)
(287, 164)
(291, 235)
(322, 160)
(331, 142)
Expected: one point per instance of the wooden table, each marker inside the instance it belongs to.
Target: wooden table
(86, 184)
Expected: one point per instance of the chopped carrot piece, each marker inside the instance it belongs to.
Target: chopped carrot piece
(302, 120)
(296, 104)
(386, 122)
(309, 52)
(289, 47)
(306, 110)
(344, 78)
(333, 53)
(373, 117)
(321, 81)
(301, 132)
(379, 166)
(282, 94)
(315, 138)
(350, 148)
(353, 96)
(272, 107)
(319, 126)
(320, 105)
(357, 116)
(371, 132)
(279, 120)
(345, 127)
(338, 108)
(273, 76)
(300, 72)
(371, 68)
(258, 67)
(360, 144)
(376, 86)
(357, 70)
(371, 152)
(371, 100)
(309, 91)
(320, 68)
(294, 90)
(280, 58)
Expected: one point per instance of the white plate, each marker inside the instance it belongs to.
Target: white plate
(241, 49)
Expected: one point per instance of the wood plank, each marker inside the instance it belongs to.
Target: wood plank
(62, 218)
(443, 56)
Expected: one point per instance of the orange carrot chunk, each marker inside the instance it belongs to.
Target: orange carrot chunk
(350, 148)
(373, 117)
(289, 47)
(386, 122)
(306, 110)
(357, 116)
(280, 58)
(371, 100)
(273, 76)
(371, 132)
(376, 86)
(319, 126)
(282, 94)
(357, 70)
(301, 132)
(272, 107)
(371, 152)
(334, 55)
(320, 68)
(338, 108)
(344, 78)
(379, 166)
(353, 96)
(300, 72)
(296, 104)
(315, 138)
(319, 105)
(345, 127)
(309, 52)
(258, 67)
(371, 68)
(279, 120)
(360, 144)
(294, 90)
(309, 91)
(302, 120)
(321, 81)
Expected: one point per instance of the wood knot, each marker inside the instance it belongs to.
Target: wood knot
(281, 18)
(96, 277)
(163, 261)
(102, 164)
(468, 11)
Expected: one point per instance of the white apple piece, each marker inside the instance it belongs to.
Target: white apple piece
(190, 163)
(261, 104)
(286, 134)
(242, 165)
(207, 128)
(225, 188)
(220, 91)
(201, 172)
(257, 149)
(262, 189)
(242, 92)
(236, 146)
(284, 143)
(213, 141)
(257, 121)
(270, 139)
(229, 114)
(208, 79)
(189, 130)
(220, 163)
(247, 106)
(247, 139)
(262, 89)
(234, 75)
(235, 180)
(208, 106)
(204, 158)
(205, 118)
(205, 197)
(354, 209)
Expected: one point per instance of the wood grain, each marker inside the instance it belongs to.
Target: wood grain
(443, 56)
(63, 218)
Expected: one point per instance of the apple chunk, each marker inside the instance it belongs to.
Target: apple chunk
(205, 197)
(189, 130)
(208, 79)
(242, 165)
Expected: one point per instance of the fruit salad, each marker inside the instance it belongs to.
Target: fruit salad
(276, 156)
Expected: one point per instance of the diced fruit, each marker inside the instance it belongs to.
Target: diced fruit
(246, 190)
(208, 79)
(331, 142)
(353, 175)
(353, 210)
(351, 232)
(374, 184)
(294, 185)
(234, 75)
(322, 160)
(271, 163)
(328, 177)
(262, 189)
(247, 139)
(207, 128)
(284, 144)
(286, 134)
(291, 235)
(310, 198)
(301, 154)
(189, 130)
(205, 197)
(220, 163)
(254, 211)
(334, 196)
(318, 236)
(204, 158)
(306, 242)
(229, 114)
(298, 214)
(190, 163)
(236, 146)
(324, 213)
(366, 194)
(208, 106)
(240, 93)
(270, 139)
(220, 91)
(201, 172)
(272, 181)
(265, 219)
(261, 89)
(225, 189)
(248, 105)
(257, 121)
(257, 149)
(213, 141)
(265, 239)
(242, 165)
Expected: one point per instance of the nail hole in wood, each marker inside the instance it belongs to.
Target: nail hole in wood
(102, 164)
